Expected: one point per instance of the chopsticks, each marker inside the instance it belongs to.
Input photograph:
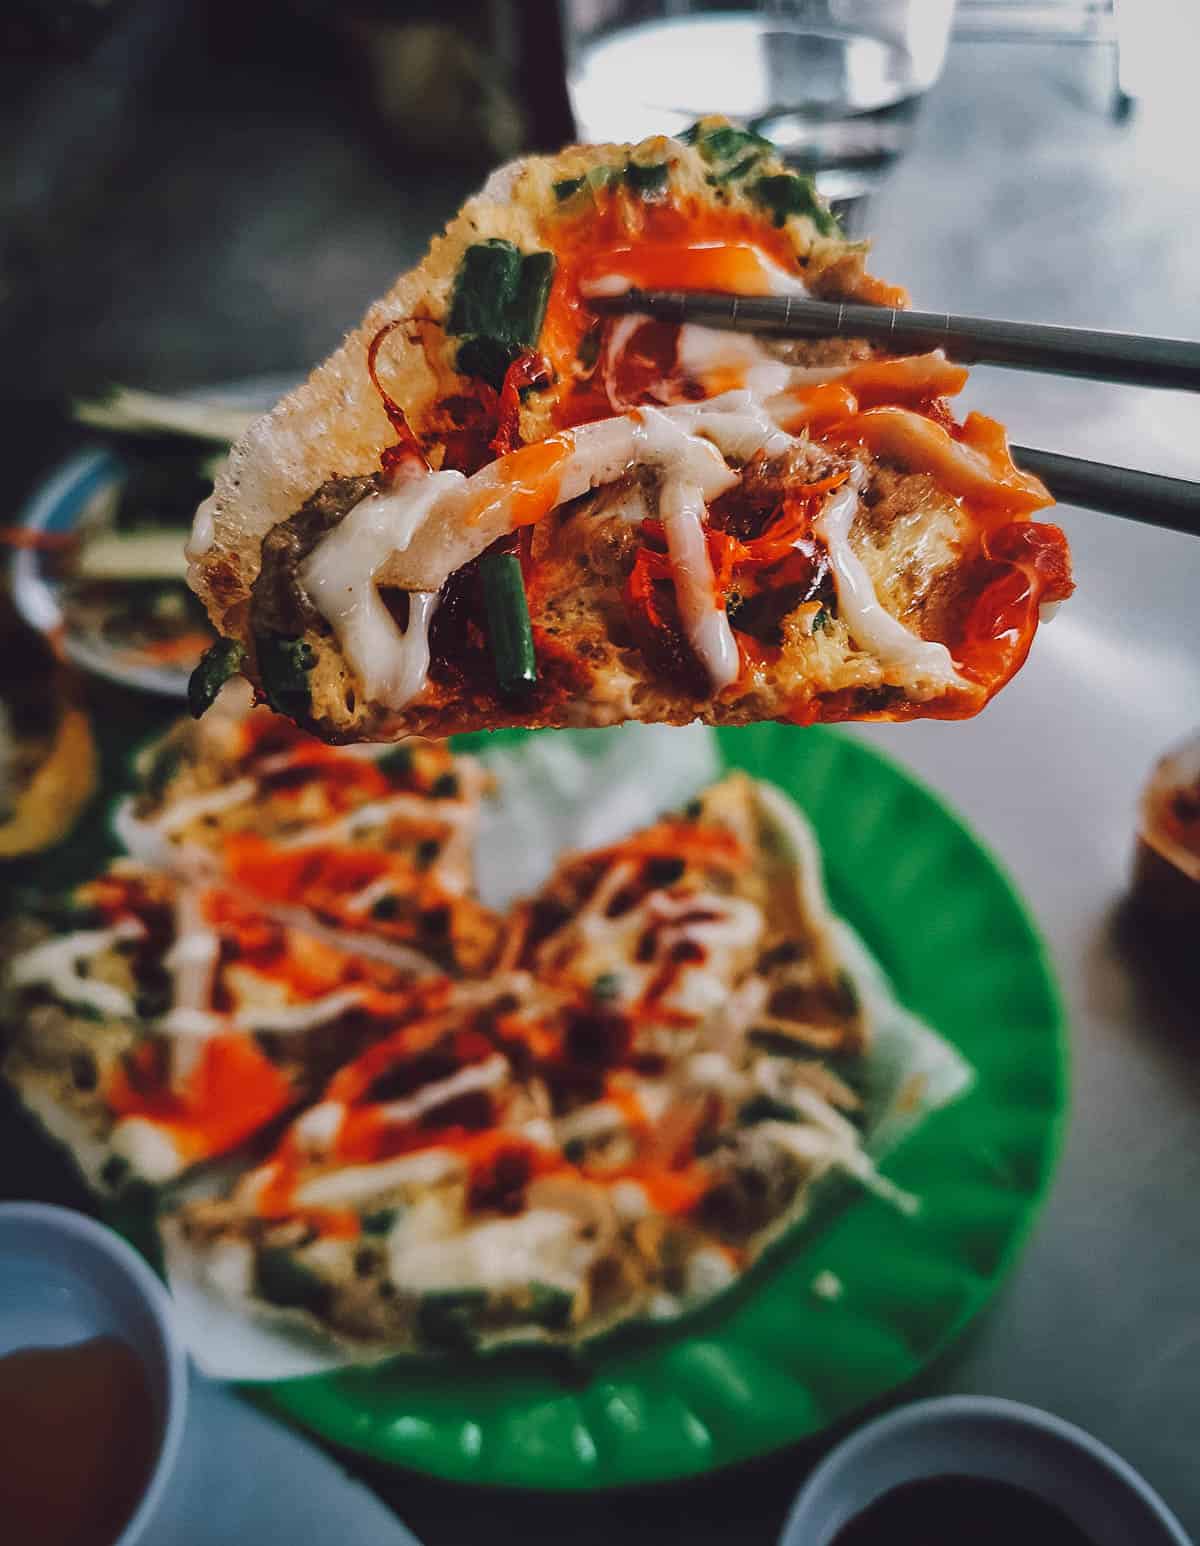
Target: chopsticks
(1172, 503)
(1064, 351)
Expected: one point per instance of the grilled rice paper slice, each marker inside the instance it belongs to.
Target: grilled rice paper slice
(495, 505)
(373, 846)
(611, 1128)
(153, 1024)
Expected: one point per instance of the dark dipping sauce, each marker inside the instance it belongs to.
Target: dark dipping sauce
(78, 1437)
(960, 1511)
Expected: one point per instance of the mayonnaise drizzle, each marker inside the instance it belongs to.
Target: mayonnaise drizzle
(928, 665)
(192, 962)
(704, 350)
(340, 577)
(693, 473)
(58, 965)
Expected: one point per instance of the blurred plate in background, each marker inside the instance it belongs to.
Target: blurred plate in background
(130, 619)
(847, 1308)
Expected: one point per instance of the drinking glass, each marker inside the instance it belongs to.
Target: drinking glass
(835, 83)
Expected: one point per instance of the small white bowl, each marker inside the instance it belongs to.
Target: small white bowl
(65, 1279)
(982, 1436)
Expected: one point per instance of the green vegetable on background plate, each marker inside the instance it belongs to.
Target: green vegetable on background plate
(449, 1319)
(282, 1280)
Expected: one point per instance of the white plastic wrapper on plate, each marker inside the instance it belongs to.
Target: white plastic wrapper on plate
(578, 790)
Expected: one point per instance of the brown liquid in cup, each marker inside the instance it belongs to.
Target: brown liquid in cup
(79, 1439)
(960, 1511)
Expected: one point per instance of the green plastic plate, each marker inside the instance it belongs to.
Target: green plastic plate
(771, 1363)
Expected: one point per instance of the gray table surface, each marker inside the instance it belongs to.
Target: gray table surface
(244, 234)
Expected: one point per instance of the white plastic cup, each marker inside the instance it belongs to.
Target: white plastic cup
(995, 1440)
(65, 1279)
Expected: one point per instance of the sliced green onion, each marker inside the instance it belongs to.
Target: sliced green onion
(219, 662)
(396, 763)
(528, 306)
(498, 306)
(726, 143)
(648, 181)
(449, 1318)
(765, 1108)
(283, 665)
(487, 279)
(550, 1306)
(786, 194)
(607, 986)
(509, 628)
(379, 1220)
(282, 1280)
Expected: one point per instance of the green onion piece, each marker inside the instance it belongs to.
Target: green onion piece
(485, 358)
(528, 306)
(777, 1043)
(396, 763)
(785, 195)
(164, 760)
(498, 306)
(449, 1318)
(284, 665)
(589, 348)
(486, 281)
(219, 662)
(765, 1108)
(282, 1280)
(550, 1306)
(509, 628)
(731, 152)
(648, 181)
(379, 1220)
(114, 1170)
(723, 145)
(427, 851)
(595, 180)
(607, 986)
(847, 992)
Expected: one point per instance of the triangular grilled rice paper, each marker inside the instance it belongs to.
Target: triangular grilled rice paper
(494, 505)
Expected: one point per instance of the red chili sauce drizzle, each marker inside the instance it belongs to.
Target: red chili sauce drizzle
(527, 371)
(407, 449)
